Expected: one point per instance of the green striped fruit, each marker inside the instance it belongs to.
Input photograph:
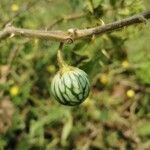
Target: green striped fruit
(70, 86)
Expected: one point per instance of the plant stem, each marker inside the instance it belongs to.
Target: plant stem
(60, 58)
(76, 34)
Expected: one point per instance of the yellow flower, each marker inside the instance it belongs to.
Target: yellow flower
(130, 93)
(14, 7)
(103, 78)
(14, 90)
(125, 64)
(51, 68)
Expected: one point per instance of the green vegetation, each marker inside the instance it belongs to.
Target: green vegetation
(115, 116)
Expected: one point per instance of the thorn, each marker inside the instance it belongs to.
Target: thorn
(93, 37)
(46, 28)
(9, 24)
(22, 32)
(105, 53)
(12, 35)
(72, 31)
(102, 22)
(101, 63)
(143, 19)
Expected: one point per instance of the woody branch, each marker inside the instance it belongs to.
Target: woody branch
(74, 34)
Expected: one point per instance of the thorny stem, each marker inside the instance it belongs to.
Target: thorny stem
(69, 37)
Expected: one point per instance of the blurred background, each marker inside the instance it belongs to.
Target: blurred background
(115, 116)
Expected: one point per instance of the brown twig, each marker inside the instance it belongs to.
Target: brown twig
(74, 34)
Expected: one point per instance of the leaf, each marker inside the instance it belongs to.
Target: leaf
(92, 67)
(23, 144)
(74, 3)
(66, 129)
(97, 3)
(144, 129)
(105, 115)
(92, 52)
(113, 2)
(89, 6)
(138, 54)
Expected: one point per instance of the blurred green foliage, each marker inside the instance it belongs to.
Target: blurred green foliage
(117, 113)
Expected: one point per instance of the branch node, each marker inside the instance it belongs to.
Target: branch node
(72, 32)
(68, 41)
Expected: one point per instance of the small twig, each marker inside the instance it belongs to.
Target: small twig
(69, 37)
(66, 18)
(19, 13)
